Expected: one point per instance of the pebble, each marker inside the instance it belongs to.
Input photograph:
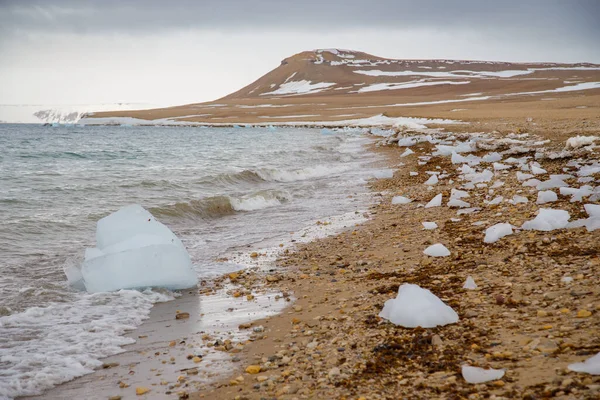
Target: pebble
(253, 369)
(583, 313)
(140, 390)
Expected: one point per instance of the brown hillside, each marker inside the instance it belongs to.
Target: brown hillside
(335, 85)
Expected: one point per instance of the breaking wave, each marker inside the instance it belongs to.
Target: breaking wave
(318, 171)
(218, 206)
(278, 175)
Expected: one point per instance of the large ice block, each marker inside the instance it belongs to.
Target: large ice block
(134, 250)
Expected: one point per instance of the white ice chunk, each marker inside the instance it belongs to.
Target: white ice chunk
(492, 157)
(522, 176)
(518, 199)
(435, 202)
(589, 170)
(548, 219)
(429, 225)
(408, 141)
(400, 200)
(458, 203)
(433, 180)
(593, 210)
(413, 173)
(496, 232)
(581, 141)
(458, 194)
(470, 283)
(536, 170)
(437, 250)
(415, 306)
(589, 366)
(547, 196)
(407, 152)
(479, 375)
(496, 200)
(461, 147)
(532, 182)
(577, 194)
(134, 250)
(485, 176)
(552, 183)
(500, 167)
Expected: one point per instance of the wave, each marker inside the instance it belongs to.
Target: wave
(219, 206)
(278, 175)
(318, 171)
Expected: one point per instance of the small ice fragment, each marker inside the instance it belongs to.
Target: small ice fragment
(458, 194)
(496, 200)
(532, 182)
(566, 279)
(537, 170)
(400, 200)
(547, 196)
(589, 366)
(500, 167)
(496, 232)
(437, 250)
(519, 199)
(435, 202)
(580, 141)
(548, 219)
(384, 173)
(458, 203)
(429, 225)
(407, 152)
(492, 157)
(470, 283)
(413, 173)
(415, 306)
(523, 177)
(433, 180)
(479, 375)
(593, 210)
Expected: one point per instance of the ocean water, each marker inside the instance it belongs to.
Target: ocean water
(218, 189)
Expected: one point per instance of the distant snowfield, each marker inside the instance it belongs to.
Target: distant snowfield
(63, 114)
(469, 74)
(406, 85)
(299, 87)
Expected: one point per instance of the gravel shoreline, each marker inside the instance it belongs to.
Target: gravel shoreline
(523, 317)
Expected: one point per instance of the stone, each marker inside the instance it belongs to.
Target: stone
(583, 313)
(253, 369)
(140, 390)
(436, 340)
(182, 315)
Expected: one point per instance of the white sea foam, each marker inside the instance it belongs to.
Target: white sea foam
(43, 347)
(318, 171)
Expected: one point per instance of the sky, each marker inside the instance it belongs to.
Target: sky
(55, 52)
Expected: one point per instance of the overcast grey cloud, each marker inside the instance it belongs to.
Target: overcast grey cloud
(172, 52)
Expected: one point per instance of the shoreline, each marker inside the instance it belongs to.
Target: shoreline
(331, 339)
(332, 344)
